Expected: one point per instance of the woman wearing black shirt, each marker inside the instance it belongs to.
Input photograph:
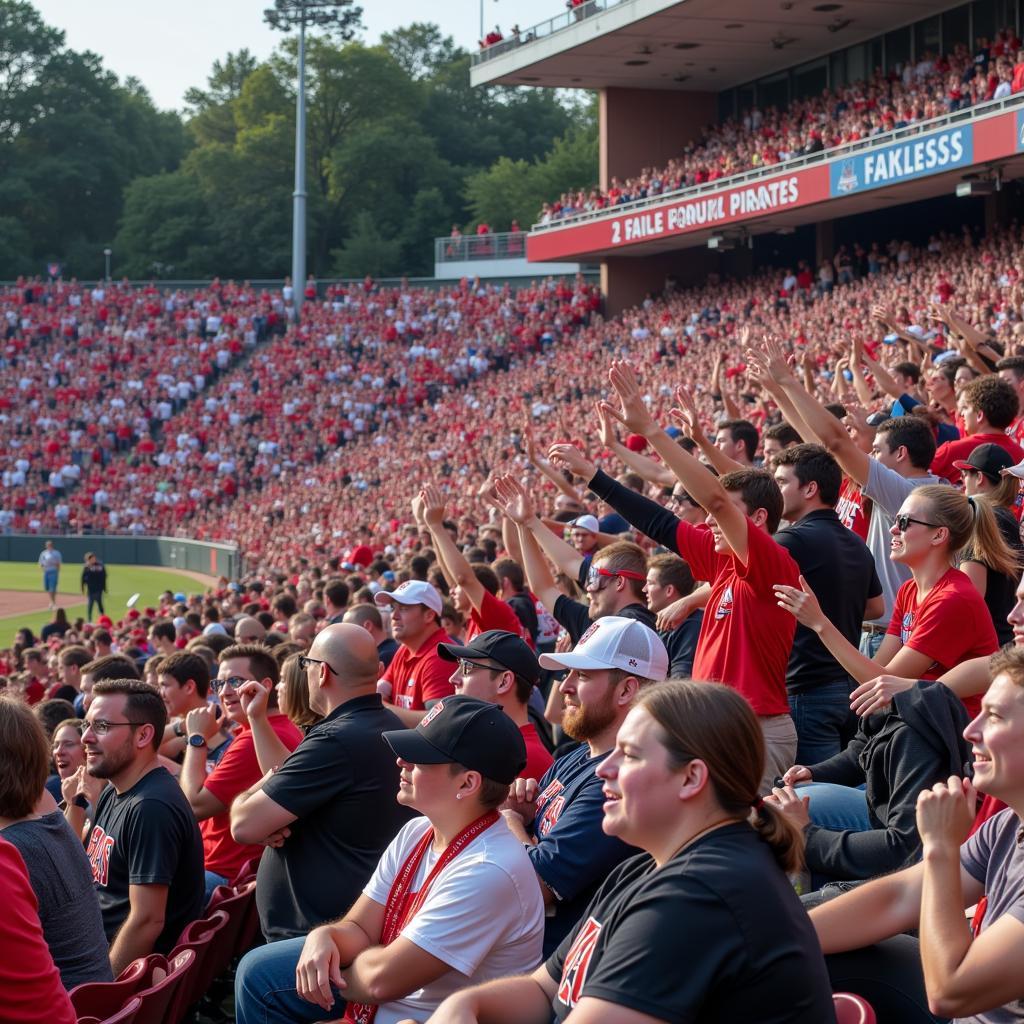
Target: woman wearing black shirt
(702, 927)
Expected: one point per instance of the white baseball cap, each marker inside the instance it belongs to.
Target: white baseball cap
(615, 642)
(585, 523)
(412, 592)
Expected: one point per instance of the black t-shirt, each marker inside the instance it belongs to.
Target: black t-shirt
(828, 553)
(1000, 590)
(574, 618)
(147, 836)
(341, 782)
(716, 935)
(681, 644)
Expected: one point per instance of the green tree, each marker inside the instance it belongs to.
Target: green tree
(366, 251)
(211, 110)
(421, 49)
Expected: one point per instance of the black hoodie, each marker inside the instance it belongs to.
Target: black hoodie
(897, 753)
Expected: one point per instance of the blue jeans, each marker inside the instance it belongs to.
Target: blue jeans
(869, 644)
(822, 719)
(212, 881)
(265, 988)
(841, 808)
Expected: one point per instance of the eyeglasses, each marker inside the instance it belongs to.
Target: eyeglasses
(596, 573)
(305, 662)
(467, 667)
(101, 726)
(233, 681)
(903, 521)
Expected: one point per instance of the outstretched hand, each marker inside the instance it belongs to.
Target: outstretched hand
(568, 456)
(511, 499)
(433, 505)
(686, 414)
(632, 411)
(802, 603)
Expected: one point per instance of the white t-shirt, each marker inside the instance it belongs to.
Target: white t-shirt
(484, 915)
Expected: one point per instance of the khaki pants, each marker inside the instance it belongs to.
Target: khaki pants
(779, 748)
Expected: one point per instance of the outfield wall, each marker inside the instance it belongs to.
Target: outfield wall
(167, 552)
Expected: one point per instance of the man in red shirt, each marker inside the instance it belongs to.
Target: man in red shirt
(988, 405)
(474, 587)
(418, 677)
(1011, 369)
(499, 667)
(744, 641)
(210, 796)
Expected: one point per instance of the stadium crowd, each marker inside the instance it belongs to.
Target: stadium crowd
(906, 95)
(435, 708)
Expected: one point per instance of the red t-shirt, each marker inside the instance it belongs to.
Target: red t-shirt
(946, 454)
(949, 625)
(418, 677)
(1015, 431)
(850, 508)
(538, 757)
(30, 986)
(494, 614)
(236, 771)
(745, 638)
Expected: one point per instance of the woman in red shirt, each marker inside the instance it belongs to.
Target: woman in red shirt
(939, 619)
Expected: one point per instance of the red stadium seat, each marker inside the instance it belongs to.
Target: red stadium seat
(126, 1015)
(247, 872)
(851, 1009)
(237, 903)
(103, 998)
(158, 999)
(199, 936)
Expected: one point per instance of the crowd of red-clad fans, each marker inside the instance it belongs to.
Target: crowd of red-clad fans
(568, 650)
(910, 93)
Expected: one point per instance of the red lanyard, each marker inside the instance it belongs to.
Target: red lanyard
(400, 909)
(979, 916)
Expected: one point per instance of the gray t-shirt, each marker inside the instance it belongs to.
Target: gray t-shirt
(61, 878)
(995, 857)
(888, 490)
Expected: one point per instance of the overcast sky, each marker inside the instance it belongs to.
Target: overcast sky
(171, 46)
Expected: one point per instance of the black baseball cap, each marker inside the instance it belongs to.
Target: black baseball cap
(500, 646)
(989, 459)
(466, 731)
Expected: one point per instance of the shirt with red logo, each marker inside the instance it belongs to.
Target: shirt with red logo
(749, 952)
(745, 638)
(850, 508)
(572, 854)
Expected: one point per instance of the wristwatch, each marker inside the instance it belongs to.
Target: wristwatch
(197, 740)
(179, 728)
(81, 801)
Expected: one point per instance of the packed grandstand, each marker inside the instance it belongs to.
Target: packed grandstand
(588, 661)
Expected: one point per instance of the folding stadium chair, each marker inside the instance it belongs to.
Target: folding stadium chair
(851, 1009)
(158, 999)
(247, 872)
(199, 936)
(236, 903)
(102, 998)
(126, 1015)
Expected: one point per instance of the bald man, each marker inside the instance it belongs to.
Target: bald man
(249, 630)
(329, 810)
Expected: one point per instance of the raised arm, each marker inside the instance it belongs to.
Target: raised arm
(701, 484)
(514, 502)
(653, 472)
(688, 417)
(769, 362)
(545, 467)
(885, 380)
(455, 565)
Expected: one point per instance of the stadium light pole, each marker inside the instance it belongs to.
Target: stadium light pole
(106, 261)
(286, 15)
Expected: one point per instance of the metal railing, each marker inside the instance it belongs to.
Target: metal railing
(507, 245)
(976, 113)
(572, 16)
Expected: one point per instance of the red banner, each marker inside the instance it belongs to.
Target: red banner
(682, 216)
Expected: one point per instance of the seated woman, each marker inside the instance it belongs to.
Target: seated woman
(704, 925)
(855, 833)
(939, 619)
(58, 868)
(454, 898)
(961, 968)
